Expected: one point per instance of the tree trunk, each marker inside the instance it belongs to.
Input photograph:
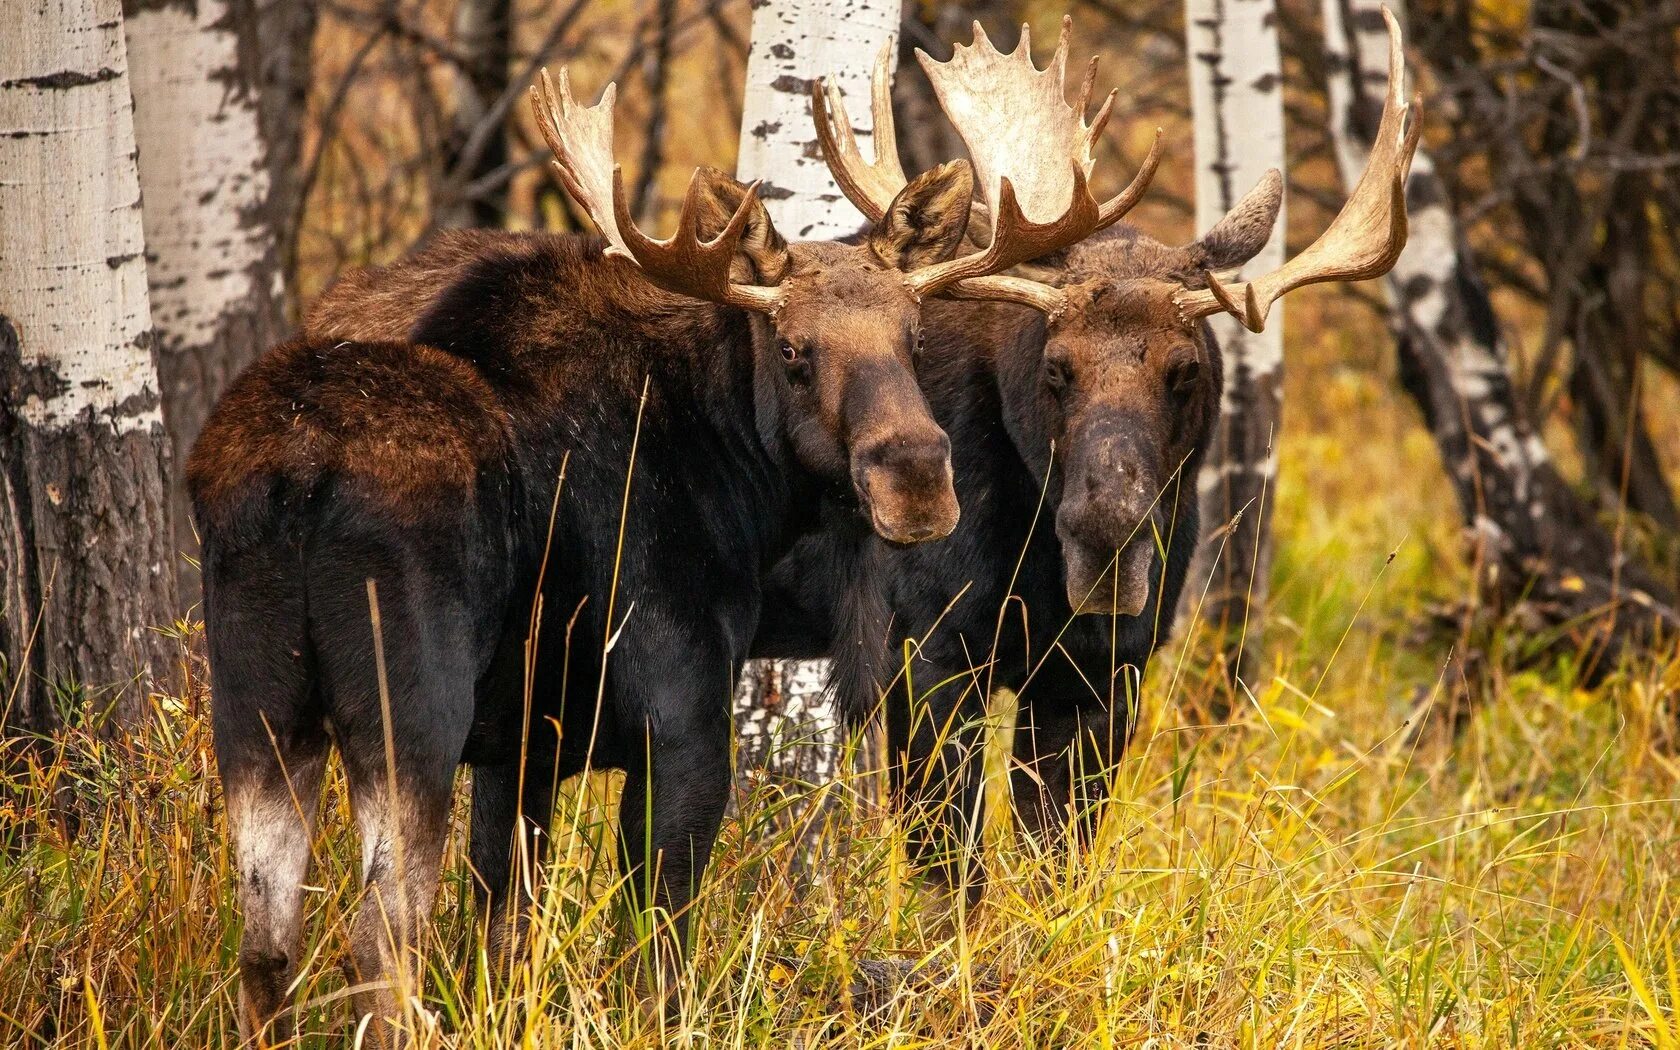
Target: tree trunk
(656, 74)
(484, 40)
(285, 40)
(793, 43)
(84, 520)
(787, 732)
(213, 263)
(1236, 101)
(1539, 552)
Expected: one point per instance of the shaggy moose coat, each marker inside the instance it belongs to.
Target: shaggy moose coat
(1074, 444)
(530, 537)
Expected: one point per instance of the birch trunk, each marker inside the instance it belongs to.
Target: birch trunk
(786, 728)
(213, 261)
(1538, 549)
(1236, 100)
(84, 520)
(793, 43)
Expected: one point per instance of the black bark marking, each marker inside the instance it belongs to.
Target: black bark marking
(64, 78)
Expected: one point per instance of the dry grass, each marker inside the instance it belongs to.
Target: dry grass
(1309, 876)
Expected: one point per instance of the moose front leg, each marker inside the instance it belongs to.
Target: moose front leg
(937, 744)
(672, 805)
(1068, 746)
(512, 803)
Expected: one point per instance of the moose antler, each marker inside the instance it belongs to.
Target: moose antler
(1365, 238)
(1032, 156)
(869, 185)
(1018, 127)
(581, 138)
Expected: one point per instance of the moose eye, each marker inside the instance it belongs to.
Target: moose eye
(1181, 379)
(921, 341)
(790, 353)
(1057, 375)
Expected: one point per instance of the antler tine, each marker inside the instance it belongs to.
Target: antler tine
(1367, 235)
(1016, 122)
(684, 262)
(870, 186)
(1116, 207)
(1032, 155)
(1015, 240)
(581, 139)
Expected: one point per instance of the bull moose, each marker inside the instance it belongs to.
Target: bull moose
(624, 434)
(1077, 429)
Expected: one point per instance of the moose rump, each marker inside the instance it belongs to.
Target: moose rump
(354, 565)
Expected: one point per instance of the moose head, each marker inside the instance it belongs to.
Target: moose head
(836, 326)
(1127, 385)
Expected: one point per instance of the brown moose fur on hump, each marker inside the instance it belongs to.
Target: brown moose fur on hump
(405, 427)
(381, 302)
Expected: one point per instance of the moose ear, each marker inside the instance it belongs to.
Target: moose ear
(1245, 229)
(925, 222)
(763, 256)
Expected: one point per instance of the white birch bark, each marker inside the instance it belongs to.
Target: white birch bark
(1426, 279)
(793, 43)
(212, 255)
(84, 524)
(785, 726)
(1236, 96)
(72, 262)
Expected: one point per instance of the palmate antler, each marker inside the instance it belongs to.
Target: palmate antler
(1367, 235)
(1032, 155)
(581, 138)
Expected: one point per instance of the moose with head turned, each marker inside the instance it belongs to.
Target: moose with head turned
(1077, 429)
(531, 533)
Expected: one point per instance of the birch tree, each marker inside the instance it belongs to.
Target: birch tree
(84, 521)
(214, 265)
(793, 43)
(1537, 547)
(786, 728)
(1236, 101)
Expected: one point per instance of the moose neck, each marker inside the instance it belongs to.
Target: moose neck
(578, 344)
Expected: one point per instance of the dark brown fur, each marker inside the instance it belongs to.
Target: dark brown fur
(347, 470)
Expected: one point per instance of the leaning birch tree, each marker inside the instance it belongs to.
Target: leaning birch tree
(1236, 103)
(214, 262)
(84, 519)
(785, 727)
(1537, 549)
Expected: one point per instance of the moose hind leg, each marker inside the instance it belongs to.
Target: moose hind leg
(271, 813)
(271, 749)
(400, 801)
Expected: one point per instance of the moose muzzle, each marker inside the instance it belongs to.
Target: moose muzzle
(904, 480)
(1109, 498)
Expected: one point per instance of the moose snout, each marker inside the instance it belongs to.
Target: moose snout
(905, 481)
(1103, 523)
